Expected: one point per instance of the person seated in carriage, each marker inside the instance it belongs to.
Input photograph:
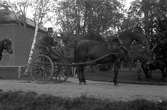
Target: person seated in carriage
(50, 45)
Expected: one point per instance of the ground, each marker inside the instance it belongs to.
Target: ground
(103, 90)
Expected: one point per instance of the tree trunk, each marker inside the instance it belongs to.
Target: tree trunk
(32, 49)
(38, 11)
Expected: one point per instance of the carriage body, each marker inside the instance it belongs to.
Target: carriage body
(46, 64)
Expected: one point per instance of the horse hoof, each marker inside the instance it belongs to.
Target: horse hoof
(115, 84)
(82, 83)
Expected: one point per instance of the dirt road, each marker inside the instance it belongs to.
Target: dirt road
(103, 90)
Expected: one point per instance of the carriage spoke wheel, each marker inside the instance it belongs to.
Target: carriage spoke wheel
(42, 68)
(62, 72)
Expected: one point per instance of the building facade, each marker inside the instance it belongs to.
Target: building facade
(22, 37)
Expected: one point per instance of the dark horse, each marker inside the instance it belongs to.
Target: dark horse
(156, 64)
(91, 49)
(5, 44)
(160, 58)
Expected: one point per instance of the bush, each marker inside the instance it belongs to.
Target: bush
(32, 101)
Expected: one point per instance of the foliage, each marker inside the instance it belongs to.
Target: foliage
(16, 11)
(5, 12)
(32, 101)
(42, 10)
(20, 8)
(83, 17)
(105, 17)
(146, 14)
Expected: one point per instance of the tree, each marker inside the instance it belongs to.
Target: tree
(89, 16)
(20, 8)
(17, 11)
(147, 14)
(6, 12)
(41, 7)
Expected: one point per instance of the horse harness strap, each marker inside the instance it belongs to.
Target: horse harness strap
(90, 62)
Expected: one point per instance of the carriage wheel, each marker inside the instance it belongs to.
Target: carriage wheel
(61, 73)
(42, 68)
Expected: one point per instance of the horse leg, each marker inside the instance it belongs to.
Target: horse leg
(139, 70)
(116, 71)
(147, 71)
(78, 74)
(81, 75)
(150, 74)
(165, 71)
(130, 64)
(164, 74)
(74, 73)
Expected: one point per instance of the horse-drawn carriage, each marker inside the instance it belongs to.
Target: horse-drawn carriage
(49, 63)
(52, 63)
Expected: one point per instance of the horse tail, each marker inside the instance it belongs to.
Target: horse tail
(75, 52)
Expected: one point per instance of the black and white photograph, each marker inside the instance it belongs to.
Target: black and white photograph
(83, 54)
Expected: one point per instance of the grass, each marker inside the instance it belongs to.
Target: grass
(32, 101)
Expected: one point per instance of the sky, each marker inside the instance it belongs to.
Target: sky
(127, 3)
